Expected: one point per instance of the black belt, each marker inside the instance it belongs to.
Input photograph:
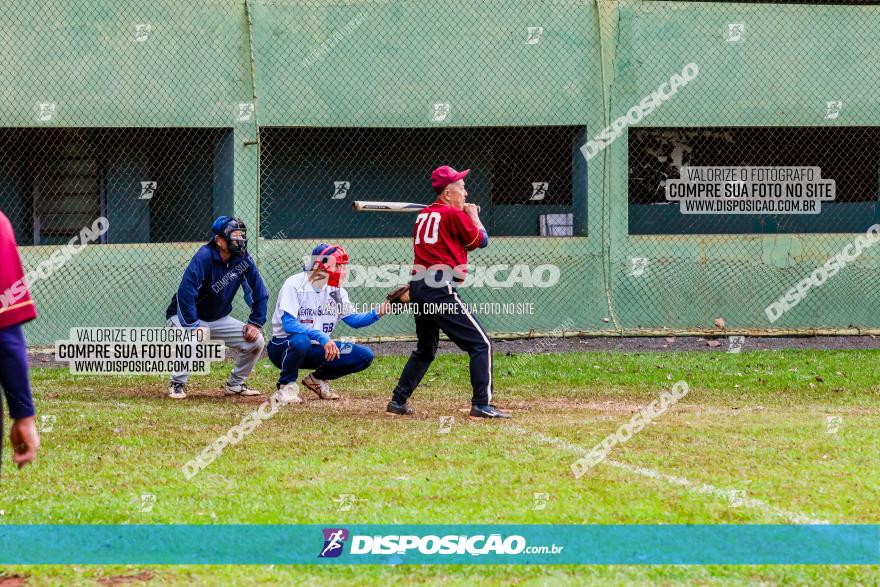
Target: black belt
(440, 276)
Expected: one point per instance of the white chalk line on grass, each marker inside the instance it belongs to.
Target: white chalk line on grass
(730, 495)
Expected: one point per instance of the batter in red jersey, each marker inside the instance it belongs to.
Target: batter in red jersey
(443, 234)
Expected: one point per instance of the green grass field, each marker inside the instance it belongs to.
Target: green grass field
(754, 423)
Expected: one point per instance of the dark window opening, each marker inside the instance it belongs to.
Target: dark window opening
(532, 165)
(519, 175)
(848, 155)
(153, 185)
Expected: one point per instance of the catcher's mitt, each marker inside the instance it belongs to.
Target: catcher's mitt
(398, 297)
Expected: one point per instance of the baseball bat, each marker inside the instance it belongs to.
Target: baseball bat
(367, 206)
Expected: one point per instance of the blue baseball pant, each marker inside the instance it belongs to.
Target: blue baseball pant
(292, 353)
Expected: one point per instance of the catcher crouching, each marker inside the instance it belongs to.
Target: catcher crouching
(308, 307)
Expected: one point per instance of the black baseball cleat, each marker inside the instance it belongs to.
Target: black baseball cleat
(487, 411)
(396, 409)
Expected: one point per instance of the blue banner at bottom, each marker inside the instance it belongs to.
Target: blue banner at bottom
(440, 544)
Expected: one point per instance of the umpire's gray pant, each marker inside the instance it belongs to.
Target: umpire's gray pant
(231, 332)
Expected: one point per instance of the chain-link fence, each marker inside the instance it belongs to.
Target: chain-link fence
(640, 166)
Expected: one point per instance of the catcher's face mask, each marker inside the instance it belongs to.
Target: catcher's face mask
(235, 236)
(333, 260)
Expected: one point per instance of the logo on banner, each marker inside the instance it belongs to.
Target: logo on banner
(46, 111)
(334, 540)
(148, 501)
(736, 344)
(539, 190)
(534, 35)
(340, 189)
(833, 109)
(735, 32)
(637, 266)
(245, 111)
(148, 189)
(142, 32)
(832, 424)
(441, 112)
(47, 423)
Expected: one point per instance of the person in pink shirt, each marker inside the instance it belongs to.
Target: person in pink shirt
(16, 308)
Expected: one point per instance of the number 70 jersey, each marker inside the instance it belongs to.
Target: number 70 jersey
(442, 236)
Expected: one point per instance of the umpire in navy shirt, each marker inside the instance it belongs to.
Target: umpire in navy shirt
(204, 300)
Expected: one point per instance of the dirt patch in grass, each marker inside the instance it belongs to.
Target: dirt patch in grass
(43, 357)
(141, 577)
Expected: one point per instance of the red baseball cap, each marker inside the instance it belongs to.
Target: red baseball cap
(445, 175)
